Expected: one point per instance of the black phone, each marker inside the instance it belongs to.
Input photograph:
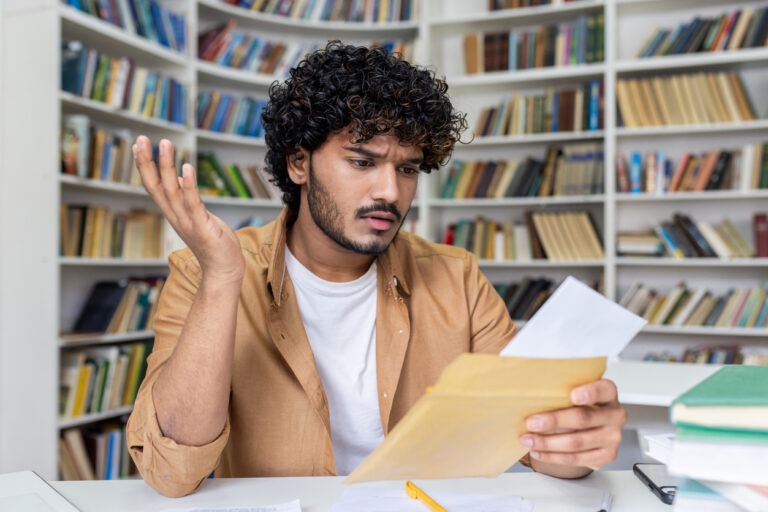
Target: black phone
(657, 479)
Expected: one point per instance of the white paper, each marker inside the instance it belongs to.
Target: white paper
(292, 506)
(576, 321)
(25, 491)
(379, 499)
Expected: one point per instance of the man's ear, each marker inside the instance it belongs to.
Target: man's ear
(298, 166)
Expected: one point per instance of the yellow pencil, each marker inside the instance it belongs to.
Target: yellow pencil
(417, 494)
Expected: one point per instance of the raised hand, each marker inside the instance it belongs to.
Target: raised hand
(213, 243)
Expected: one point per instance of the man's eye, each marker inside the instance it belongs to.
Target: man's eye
(409, 170)
(361, 163)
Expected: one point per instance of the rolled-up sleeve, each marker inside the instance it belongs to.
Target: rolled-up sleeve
(170, 468)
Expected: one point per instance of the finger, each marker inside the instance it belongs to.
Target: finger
(576, 418)
(598, 392)
(573, 442)
(150, 177)
(168, 174)
(193, 202)
(593, 459)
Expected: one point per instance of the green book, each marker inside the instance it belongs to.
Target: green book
(734, 397)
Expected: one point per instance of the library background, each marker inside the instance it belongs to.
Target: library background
(624, 142)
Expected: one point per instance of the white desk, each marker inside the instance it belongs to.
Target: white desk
(317, 494)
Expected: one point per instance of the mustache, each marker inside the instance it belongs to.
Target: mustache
(380, 207)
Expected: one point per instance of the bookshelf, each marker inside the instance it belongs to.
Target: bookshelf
(628, 25)
(55, 287)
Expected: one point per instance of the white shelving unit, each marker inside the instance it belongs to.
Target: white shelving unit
(628, 24)
(43, 299)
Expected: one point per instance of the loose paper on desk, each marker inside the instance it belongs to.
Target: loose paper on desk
(25, 491)
(576, 321)
(378, 499)
(291, 506)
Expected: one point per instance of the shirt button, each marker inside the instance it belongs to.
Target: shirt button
(401, 331)
(385, 395)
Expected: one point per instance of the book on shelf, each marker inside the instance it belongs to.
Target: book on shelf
(639, 100)
(119, 82)
(698, 306)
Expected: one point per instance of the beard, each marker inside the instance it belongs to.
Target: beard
(327, 216)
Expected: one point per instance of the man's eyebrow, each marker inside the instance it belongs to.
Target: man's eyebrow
(372, 154)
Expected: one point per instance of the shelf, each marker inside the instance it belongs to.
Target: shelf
(243, 202)
(110, 37)
(74, 340)
(692, 262)
(255, 20)
(541, 264)
(93, 418)
(104, 186)
(711, 195)
(102, 111)
(74, 261)
(229, 138)
(216, 75)
(516, 201)
(760, 332)
(536, 138)
(529, 77)
(760, 126)
(518, 16)
(742, 58)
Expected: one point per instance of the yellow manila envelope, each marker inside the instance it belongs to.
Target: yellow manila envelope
(469, 422)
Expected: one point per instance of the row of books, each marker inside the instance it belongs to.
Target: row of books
(116, 307)
(119, 82)
(741, 28)
(720, 443)
(226, 113)
(356, 11)
(498, 5)
(555, 236)
(684, 306)
(578, 42)
(216, 179)
(557, 110)
(249, 52)
(653, 172)
(95, 453)
(575, 169)
(682, 237)
(711, 354)
(101, 379)
(523, 298)
(90, 231)
(149, 19)
(695, 98)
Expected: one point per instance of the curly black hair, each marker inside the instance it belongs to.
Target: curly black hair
(372, 91)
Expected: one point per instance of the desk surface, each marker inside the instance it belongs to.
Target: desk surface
(317, 494)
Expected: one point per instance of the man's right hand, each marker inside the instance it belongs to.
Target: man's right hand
(212, 241)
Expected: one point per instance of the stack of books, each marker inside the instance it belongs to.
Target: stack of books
(721, 442)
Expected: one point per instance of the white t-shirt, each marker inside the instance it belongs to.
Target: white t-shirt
(340, 321)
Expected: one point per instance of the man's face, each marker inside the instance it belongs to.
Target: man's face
(359, 194)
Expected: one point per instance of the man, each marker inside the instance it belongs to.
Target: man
(292, 349)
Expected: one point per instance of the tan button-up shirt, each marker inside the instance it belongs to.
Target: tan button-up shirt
(433, 304)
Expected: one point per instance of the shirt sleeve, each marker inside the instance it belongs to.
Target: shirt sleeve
(170, 468)
(492, 327)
